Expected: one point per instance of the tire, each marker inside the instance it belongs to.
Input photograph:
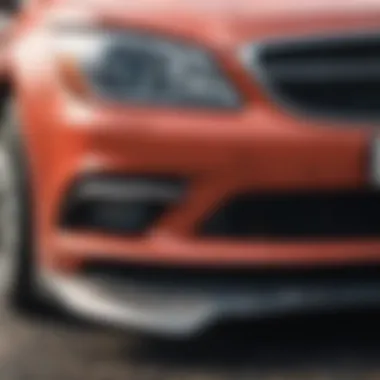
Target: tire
(16, 225)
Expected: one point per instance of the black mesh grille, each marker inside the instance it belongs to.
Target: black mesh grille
(300, 216)
(335, 77)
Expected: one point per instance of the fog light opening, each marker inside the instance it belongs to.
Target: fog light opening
(118, 205)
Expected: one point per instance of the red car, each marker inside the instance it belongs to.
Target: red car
(168, 164)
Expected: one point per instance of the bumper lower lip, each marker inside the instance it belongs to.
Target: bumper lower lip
(180, 312)
(111, 303)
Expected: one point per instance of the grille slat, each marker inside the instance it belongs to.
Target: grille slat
(337, 77)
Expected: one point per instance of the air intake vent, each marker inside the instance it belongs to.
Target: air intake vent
(298, 216)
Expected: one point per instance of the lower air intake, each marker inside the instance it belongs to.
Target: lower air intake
(326, 215)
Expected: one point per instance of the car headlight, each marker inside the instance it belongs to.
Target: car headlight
(146, 69)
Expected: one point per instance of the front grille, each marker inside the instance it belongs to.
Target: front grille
(327, 215)
(334, 77)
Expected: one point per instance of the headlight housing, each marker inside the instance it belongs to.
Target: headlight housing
(128, 67)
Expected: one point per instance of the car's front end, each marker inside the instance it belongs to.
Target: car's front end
(193, 164)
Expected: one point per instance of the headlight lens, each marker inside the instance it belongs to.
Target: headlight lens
(138, 68)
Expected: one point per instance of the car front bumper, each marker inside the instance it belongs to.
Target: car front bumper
(218, 158)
